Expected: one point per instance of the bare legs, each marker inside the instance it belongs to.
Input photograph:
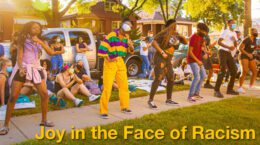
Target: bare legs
(246, 66)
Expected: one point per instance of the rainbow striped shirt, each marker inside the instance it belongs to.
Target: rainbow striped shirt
(112, 46)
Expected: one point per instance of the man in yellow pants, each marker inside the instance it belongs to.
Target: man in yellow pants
(114, 47)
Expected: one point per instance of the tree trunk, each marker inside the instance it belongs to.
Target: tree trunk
(55, 13)
(248, 17)
(177, 10)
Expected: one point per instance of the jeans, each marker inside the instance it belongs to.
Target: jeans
(227, 63)
(162, 68)
(145, 64)
(83, 57)
(56, 62)
(199, 74)
(150, 57)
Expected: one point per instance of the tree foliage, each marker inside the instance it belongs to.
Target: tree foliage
(215, 13)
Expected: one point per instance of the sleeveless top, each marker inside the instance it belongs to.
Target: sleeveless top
(81, 45)
(6, 88)
(58, 87)
(31, 52)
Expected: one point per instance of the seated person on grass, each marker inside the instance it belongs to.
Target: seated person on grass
(6, 69)
(67, 85)
(88, 82)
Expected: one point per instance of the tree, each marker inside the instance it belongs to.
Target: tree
(215, 13)
(124, 11)
(248, 17)
(169, 8)
(51, 10)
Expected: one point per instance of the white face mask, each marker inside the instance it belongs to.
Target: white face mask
(126, 27)
(58, 40)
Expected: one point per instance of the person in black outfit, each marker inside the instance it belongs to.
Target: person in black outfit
(247, 58)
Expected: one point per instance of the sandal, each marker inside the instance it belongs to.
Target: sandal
(47, 124)
(4, 131)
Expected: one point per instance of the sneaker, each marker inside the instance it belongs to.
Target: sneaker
(253, 88)
(197, 96)
(93, 98)
(225, 84)
(171, 103)
(232, 92)
(78, 102)
(126, 111)
(218, 94)
(208, 86)
(191, 100)
(152, 105)
(104, 116)
(241, 90)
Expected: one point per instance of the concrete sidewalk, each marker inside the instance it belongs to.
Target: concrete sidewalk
(23, 128)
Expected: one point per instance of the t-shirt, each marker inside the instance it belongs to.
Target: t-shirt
(227, 36)
(142, 51)
(80, 73)
(249, 45)
(173, 41)
(196, 42)
(112, 46)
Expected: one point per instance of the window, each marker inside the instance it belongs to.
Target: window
(74, 37)
(115, 25)
(109, 6)
(50, 35)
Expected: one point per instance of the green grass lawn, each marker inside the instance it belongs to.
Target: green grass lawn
(70, 104)
(238, 113)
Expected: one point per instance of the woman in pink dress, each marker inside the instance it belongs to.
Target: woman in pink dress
(28, 69)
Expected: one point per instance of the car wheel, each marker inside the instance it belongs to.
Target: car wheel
(133, 67)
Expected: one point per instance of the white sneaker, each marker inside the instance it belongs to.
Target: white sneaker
(225, 84)
(241, 90)
(93, 97)
(78, 102)
(253, 88)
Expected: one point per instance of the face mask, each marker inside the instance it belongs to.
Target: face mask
(255, 34)
(233, 26)
(9, 69)
(58, 40)
(151, 35)
(79, 66)
(71, 71)
(126, 27)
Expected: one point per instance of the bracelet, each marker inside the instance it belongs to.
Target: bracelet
(162, 53)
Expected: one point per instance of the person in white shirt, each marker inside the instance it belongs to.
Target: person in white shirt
(228, 44)
(144, 54)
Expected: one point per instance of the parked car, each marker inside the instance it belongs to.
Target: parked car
(69, 39)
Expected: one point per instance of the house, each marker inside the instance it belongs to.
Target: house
(11, 20)
(101, 20)
(155, 22)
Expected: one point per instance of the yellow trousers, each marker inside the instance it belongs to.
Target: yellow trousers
(114, 71)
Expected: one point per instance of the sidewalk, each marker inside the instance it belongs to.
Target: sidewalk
(23, 128)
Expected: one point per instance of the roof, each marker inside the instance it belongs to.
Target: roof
(157, 18)
(7, 6)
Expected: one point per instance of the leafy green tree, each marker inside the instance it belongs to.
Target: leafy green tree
(52, 10)
(215, 13)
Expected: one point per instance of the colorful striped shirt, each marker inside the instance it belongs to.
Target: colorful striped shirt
(112, 46)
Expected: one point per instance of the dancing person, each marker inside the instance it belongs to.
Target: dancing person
(165, 43)
(28, 68)
(194, 58)
(82, 48)
(247, 59)
(207, 61)
(114, 47)
(57, 60)
(228, 44)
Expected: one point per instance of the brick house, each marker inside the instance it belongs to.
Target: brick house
(156, 23)
(101, 20)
